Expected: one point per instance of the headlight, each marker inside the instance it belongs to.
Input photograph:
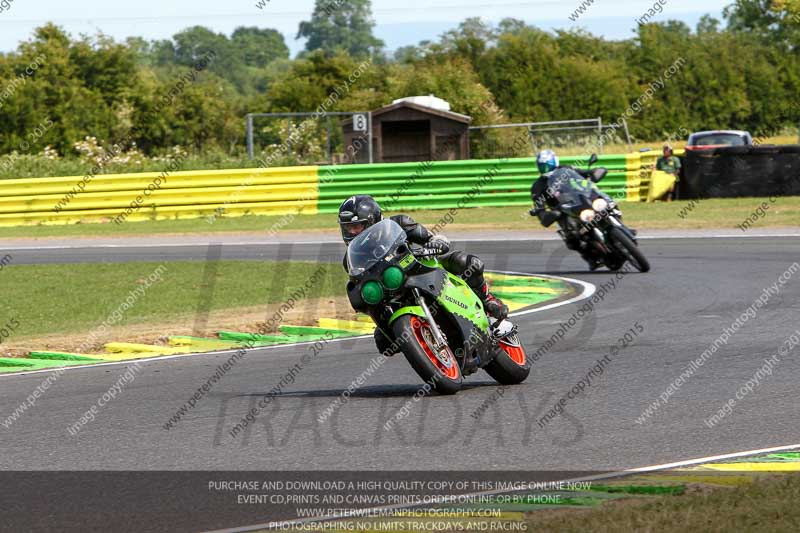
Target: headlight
(600, 205)
(372, 292)
(393, 278)
(587, 215)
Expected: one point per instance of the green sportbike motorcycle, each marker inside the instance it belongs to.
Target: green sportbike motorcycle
(429, 314)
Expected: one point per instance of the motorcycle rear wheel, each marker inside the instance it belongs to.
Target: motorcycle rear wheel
(511, 366)
(418, 348)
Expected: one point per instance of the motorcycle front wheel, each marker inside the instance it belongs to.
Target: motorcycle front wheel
(440, 371)
(628, 247)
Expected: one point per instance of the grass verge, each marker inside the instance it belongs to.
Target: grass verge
(705, 214)
(56, 306)
(769, 504)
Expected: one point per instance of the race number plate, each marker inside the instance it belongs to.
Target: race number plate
(407, 261)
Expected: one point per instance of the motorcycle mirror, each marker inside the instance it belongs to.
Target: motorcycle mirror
(598, 174)
(593, 159)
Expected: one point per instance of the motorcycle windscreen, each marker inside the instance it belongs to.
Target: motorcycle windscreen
(571, 189)
(373, 245)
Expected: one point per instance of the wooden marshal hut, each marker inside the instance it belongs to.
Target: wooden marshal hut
(408, 130)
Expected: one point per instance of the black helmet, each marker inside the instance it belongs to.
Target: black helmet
(356, 214)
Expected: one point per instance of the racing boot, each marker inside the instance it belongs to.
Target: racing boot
(385, 346)
(594, 264)
(493, 306)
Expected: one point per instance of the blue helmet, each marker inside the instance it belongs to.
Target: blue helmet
(547, 161)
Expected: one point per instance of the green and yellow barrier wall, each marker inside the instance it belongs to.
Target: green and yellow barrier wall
(153, 196)
(307, 190)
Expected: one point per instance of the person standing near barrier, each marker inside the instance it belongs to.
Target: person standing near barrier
(670, 164)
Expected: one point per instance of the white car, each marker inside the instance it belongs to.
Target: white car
(708, 140)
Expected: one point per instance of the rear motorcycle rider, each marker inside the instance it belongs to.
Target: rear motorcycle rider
(544, 194)
(357, 213)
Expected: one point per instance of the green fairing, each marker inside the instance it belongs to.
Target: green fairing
(456, 297)
(410, 310)
(429, 261)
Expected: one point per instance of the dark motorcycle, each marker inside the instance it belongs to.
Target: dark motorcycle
(592, 219)
(429, 314)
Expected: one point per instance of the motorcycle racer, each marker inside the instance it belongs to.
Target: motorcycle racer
(545, 192)
(359, 212)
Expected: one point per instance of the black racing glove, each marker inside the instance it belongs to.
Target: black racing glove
(438, 245)
(548, 218)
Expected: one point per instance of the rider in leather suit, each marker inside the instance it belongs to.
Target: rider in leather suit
(357, 213)
(545, 200)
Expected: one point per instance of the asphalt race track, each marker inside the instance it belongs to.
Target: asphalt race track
(697, 288)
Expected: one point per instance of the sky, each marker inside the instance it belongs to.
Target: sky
(398, 25)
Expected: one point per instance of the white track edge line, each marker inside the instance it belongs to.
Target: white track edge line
(588, 292)
(34, 247)
(655, 468)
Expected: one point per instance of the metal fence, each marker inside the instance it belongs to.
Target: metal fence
(572, 136)
(306, 138)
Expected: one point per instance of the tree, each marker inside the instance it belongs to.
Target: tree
(310, 82)
(511, 25)
(708, 24)
(193, 44)
(337, 25)
(537, 77)
(106, 67)
(745, 75)
(78, 87)
(453, 80)
(751, 15)
(408, 54)
(259, 47)
(469, 40)
(162, 52)
(777, 21)
(142, 49)
(197, 43)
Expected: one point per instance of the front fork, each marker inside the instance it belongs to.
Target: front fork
(438, 336)
(618, 223)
